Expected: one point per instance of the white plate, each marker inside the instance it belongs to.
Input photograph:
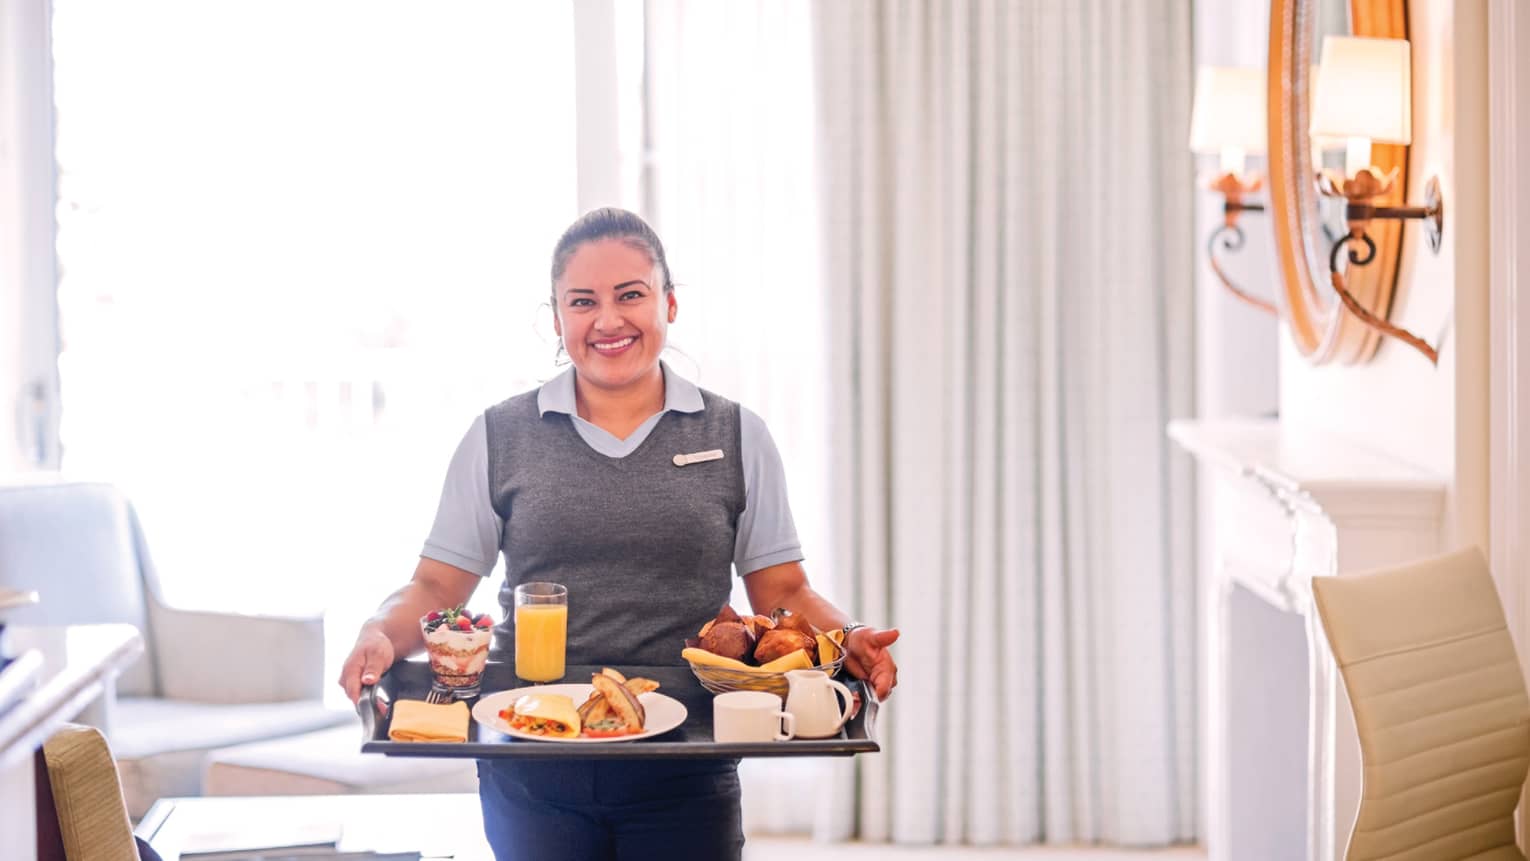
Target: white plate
(661, 713)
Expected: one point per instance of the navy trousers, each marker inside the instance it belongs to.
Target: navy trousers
(611, 810)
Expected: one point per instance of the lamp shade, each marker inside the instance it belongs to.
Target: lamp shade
(1364, 90)
(1229, 110)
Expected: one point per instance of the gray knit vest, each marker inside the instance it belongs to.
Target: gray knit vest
(644, 547)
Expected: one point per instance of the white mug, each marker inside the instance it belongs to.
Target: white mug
(810, 699)
(746, 716)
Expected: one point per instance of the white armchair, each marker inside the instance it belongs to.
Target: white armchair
(206, 680)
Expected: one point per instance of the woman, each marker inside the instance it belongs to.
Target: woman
(576, 482)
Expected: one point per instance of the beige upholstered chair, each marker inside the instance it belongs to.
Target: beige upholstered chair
(207, 681)
(1440, 704)
(87, 797)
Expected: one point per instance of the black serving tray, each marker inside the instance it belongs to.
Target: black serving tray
(690, 740)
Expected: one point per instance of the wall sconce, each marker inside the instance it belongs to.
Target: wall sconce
(1364, 95)
(1228, 119)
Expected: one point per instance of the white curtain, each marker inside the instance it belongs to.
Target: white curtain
(1007, 234)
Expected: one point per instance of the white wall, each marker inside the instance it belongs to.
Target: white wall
(1509, 363)
(1236, 366)
(1435, 418)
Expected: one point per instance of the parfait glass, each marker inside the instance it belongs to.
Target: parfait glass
(457, 659)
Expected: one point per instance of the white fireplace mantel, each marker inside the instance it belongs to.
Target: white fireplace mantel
(1283, 507)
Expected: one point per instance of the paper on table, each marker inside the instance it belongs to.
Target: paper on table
(414, 720)
(15, 598)
(313, 855)
(245, 839)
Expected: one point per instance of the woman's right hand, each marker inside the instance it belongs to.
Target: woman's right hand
(435, 584)
(369, 658)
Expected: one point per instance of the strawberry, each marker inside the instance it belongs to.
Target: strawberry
(484, 621)
(433, 615)
(463, 624)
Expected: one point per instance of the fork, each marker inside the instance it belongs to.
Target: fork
(438, 696)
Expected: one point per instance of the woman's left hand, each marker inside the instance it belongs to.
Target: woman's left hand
(869, 659)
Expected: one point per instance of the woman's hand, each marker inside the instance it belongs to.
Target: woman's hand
(396, 627)
(869, 659)
(786, 585)
(371, 656)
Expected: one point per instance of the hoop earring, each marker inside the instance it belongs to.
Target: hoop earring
(560, 357)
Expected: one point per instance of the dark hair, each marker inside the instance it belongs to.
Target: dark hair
(609, 223)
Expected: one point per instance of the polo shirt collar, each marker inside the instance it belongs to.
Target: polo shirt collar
(680, 395)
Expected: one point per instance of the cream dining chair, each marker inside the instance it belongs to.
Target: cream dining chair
(1440, 704)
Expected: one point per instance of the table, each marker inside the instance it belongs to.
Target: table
(436, 826)
(69, 668)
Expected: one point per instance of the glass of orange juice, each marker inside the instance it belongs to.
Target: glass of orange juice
(541, 631)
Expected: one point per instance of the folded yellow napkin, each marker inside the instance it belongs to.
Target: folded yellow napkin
(414, 720)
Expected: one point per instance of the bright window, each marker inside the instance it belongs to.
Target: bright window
(302, 245)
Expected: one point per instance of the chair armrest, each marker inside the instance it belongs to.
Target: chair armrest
(231, 658)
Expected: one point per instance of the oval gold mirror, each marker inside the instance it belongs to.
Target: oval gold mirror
(1306, 224)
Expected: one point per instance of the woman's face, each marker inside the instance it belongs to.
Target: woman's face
(612, 313)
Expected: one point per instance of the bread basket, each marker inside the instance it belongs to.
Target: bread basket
(720, 680)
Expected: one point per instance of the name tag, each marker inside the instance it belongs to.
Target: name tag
(698, 457)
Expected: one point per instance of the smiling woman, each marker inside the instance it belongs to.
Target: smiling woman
(580, 482)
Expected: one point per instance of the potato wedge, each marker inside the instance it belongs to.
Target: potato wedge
(589, 708)
(624, 704)
(640, 686)
(596, 707)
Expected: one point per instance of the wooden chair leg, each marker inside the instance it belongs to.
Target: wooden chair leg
(50, 839)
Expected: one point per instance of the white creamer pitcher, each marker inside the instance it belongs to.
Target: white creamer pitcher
(811, 701)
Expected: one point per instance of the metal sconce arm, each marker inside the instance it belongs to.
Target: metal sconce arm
(1358, 212)
(1232, 188)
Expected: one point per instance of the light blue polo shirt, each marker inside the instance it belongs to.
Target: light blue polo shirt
(467, 531)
